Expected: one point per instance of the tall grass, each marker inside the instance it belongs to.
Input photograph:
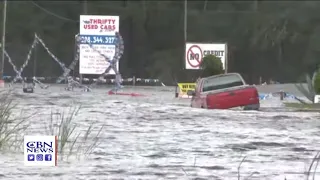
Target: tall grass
(310, 173)
(313, 165)
(11, 126)
(308, 92)
(72, 141)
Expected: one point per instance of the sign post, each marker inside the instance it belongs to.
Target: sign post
(98, 34)
(195, 52)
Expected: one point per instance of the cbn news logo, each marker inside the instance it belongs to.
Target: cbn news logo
(40, 150)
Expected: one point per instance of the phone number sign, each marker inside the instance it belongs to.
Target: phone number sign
(92, 39)
(97, 34)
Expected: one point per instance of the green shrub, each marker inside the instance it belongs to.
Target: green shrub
(317, 83)
(211, 65)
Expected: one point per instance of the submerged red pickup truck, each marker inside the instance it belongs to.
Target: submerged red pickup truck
(224, 91)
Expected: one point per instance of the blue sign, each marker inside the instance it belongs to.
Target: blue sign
(96, 39)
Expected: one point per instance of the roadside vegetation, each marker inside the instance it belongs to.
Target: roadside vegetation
(73, 142)
(310, 90)
(316, 82)
(211, 65)
(313, 85)
(313, 106)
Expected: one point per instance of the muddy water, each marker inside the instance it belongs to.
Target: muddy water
(159, 137)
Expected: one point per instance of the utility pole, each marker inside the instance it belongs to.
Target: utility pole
(85, 11)
(185, 20)
(3, 44)
(185, 25)
(255, 6)
(85, 7)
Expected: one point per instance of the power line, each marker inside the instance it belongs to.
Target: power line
(51, 13)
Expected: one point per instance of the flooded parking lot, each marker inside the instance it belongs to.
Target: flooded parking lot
(160, 137)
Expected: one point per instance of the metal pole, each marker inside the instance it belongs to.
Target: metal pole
(85, 7)
(255, 5)
(85, 11)
(35, 62)
(226, 62)
(3, 37)
(75, 52)
(185, 20)
(185, 28)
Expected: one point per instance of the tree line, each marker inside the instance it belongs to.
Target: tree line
(278, 40)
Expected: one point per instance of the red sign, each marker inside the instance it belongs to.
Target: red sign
(194, 56)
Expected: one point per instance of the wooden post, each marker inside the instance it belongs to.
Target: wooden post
(133, 80)
(282, 94)
(176, 92)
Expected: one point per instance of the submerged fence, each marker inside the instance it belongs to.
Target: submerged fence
(126, 81)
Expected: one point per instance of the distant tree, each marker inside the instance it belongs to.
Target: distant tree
(211, 65)
(316, 82)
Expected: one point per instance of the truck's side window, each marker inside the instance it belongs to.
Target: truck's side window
(222, 82)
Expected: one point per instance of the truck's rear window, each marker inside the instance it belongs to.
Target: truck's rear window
(221, 82)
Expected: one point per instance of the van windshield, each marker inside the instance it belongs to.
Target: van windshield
(221, 82)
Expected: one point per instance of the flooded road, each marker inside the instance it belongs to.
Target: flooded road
(160, 137)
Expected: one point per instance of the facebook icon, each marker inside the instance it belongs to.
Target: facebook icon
(48, 157)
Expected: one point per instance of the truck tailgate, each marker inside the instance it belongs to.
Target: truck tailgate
(232, 97)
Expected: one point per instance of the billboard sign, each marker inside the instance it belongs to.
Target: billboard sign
(196, 51)
(99, 32)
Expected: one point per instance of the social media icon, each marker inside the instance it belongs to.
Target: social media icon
(39, 157)
(48, 157)
(30, 157)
